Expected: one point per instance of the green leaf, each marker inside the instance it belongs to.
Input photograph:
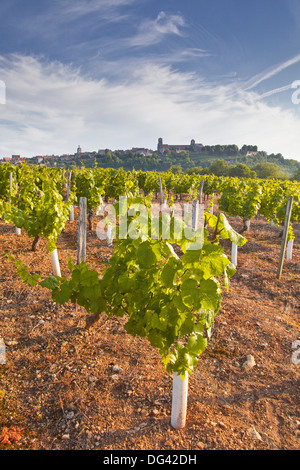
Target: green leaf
(226, 231)
(158, 322)
(50, 282)
(190, 293)
(230, 269)
(62, 295)
(213, 260)
(196, 344)
(210, 294)
(146, 255)
(99, 305)
(90, 278)
(169, 272)
(191, 256)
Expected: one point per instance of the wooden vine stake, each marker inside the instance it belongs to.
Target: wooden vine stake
(10, 182)
(68, 184)
(201, 191)
(81, 239)
(18, 230)
(71, 215)
(285, 234)
(186, 208)
(211, 209)
(161, 191)
(180, 383)
(195, 214)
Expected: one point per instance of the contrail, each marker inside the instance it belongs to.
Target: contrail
(262, 77)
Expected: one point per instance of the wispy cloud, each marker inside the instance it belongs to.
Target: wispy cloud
(153, 31)
(78, 9)
(256, 80)
(51, 108)
(62, 22)
(276, 91)
(195, 52)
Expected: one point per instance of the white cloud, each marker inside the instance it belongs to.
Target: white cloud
(272, 72)
(276, 91)
(153, 31)
(195, 52)
(74, 17)
(78, 8)
(51, 108)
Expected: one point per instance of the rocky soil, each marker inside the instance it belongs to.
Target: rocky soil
(63, 387)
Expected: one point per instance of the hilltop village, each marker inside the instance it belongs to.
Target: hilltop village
(79, 154)
(222, 160)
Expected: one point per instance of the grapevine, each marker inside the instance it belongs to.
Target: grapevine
(170, 299)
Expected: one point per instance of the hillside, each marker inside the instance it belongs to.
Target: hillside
(187, 161)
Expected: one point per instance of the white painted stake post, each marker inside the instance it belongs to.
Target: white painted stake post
(18, 231)
(71, 215)
(108, 234)
(55, 263)
(179, 401)
(234, 254)
(285, 235)
(81, 240)
(180, 386)
(289, 250)
(161, 191)
(186, 208)
(195, 214)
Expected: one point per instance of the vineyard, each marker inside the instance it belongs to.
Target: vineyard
(126, 296)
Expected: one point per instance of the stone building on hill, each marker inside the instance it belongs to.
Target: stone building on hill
(192, 147)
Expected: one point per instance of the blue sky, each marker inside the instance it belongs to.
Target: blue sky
(122, 73)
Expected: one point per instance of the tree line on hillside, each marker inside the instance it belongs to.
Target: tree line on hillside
(221, 160)
(265, 170)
